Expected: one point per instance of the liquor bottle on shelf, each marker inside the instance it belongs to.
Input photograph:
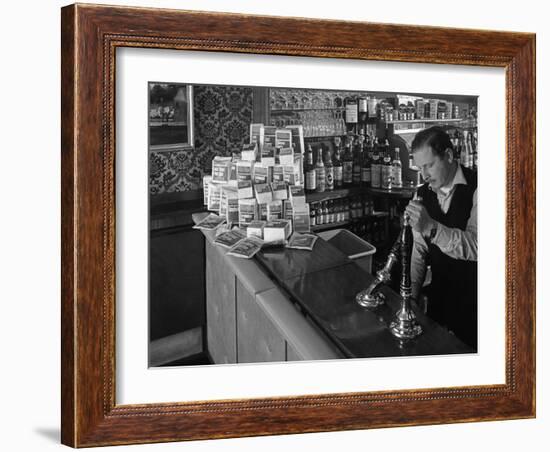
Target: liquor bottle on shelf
(386, 171)
(330, 210)
(338, 211)
(365, 167)
(357, 160)
(345, 209)
(338, 168)
(375, 165)
(463, 152)
(351, 114)
(474, 145)
(329, 171)
(470, 150)
(325, 212)
(312, 213)
(309, 170)
(318, 214)
(320, 177)
(397, 170)
(363, 114)
(347, 166)
(416, 177)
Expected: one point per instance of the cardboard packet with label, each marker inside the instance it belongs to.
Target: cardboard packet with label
(263, 193)
(257, 135)
(244, 170)
(247, 212)
(206, 179)
(278, 175)
(249, 152)
(286, 157)
(220, 169)
(300, 219)
(256, 229)
(214, 197)
(245, 189)
(279, 190)
(246, 248)
(262, 174)
(277, 231)
(297, 195)
(268, 155)
(274, 210)
(210, 223)
(228, 239)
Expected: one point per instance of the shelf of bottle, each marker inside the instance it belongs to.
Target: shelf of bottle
(412, 121)
(290, 110)
(324, 227)
(405, 192)
(341, 224)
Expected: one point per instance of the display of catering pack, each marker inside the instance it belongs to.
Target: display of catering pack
(260, 187)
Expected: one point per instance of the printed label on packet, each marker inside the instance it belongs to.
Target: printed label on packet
(210, 223)
(246, 248)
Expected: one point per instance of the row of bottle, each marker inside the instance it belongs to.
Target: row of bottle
(465, 148)
(340, 210)
(363, 162)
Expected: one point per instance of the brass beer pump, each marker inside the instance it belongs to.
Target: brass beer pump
(404, 325)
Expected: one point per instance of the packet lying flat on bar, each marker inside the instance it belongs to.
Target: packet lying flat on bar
(210, 223)
(229, 239)
(302, 241)
(246, 248)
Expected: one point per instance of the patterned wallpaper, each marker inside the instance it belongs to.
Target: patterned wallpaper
(222, 119)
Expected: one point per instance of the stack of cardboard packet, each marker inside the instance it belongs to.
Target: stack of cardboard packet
(259, 191)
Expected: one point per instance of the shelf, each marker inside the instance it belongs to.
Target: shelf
(324, 227)
(403, 193)
(334, 194)
(412, 121)
(290, 110)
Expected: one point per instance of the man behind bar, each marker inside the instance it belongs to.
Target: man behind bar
(444, 225)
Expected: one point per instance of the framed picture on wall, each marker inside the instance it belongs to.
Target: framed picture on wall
(197, 109)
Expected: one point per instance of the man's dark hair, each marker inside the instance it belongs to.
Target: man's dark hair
(434, 137)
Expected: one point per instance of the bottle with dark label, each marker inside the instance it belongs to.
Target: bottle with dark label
(338, 168)
(309, 170)
(365, 167)
(318, 214)
(312, 214)
(397, 170)
(347, 169)
(324, 215)
(320, 176)
(363, 115)
(386, 171)
(375, 165)
(357, 160)
(329, 171)
(351, 114)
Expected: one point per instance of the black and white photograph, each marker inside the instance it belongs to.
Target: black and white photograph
(295, 224)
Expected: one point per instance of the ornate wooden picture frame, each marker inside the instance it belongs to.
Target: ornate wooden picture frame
(90, 37)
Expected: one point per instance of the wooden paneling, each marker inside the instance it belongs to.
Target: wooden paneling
(221, 323)
(257, 338)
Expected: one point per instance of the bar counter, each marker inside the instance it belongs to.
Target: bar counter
(312, 294)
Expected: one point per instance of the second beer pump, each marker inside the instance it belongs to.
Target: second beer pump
(404, 324)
